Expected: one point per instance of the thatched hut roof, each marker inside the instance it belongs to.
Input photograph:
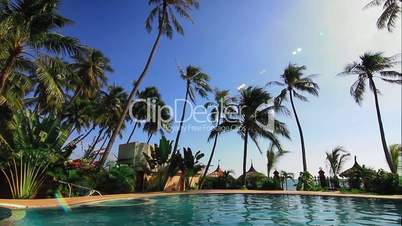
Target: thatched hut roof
(355, 168)
(217, 173)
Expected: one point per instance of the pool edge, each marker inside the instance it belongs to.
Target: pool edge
(76, 201)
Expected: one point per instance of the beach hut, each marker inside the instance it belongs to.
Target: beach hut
(217, 173)
(356, 168)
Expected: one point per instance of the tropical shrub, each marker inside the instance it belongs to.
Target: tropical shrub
(26, 172)
(118, 179)
(269, 184)
(306, 182)
(381, 182)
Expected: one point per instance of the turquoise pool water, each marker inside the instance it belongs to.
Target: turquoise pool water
(223, 210)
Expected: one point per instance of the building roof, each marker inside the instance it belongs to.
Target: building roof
(355, 168)
(217, 173)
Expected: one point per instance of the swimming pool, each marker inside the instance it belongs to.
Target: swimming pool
(233, 209)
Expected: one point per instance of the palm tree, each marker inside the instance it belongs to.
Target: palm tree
(250, 121)
(31, 32)
(284, 178)
(50, 78)
(90, 69)
(163, 11)
(273, 157)
(140, 111)
(159, 123)
(115, 98)
(295, 81)
(395, 151)
(196, 83)
(222, 102)
(373, 65)
(336, 159)
(390, 14)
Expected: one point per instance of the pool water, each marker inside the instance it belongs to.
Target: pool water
(222, 210)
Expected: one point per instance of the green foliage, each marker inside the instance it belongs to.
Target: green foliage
(189, 164)
(160, 154)
(380, 182)
(164, 12)
(268, 184)
(336, 159)
(306, 182)
(118, 179)
(390, 14)
(26, 172)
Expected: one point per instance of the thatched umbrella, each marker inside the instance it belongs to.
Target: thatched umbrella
(217, 173)
(356, 168)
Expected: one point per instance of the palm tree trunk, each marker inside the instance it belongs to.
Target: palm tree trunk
(7, 69)
(99, 150)
(382, 133)
(86, 134)
(211, 156)
(176, 143)
(133, 92)
(132, 132)
(245, 157)
(96, 141)
(268, 171)
(300, 132)
(149, 137)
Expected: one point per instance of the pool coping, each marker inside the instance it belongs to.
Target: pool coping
(75, 201)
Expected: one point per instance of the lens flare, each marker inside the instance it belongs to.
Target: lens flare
(62, 202)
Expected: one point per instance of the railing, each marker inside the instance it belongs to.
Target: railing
(71, 186)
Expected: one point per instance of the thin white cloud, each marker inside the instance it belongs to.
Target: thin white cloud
(262, 71)
(242, 86)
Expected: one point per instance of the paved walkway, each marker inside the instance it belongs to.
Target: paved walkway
(43, 203)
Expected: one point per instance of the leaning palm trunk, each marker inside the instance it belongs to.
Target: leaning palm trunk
(300, 132)
(245, 158)
(25, 179)
(382, 133)
(176, 143)
(95, 142)
(132, 132)
(133, 92)
(211, 156)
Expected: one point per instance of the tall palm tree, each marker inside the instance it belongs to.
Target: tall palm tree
(90, 69)
(152, 96)
(390, 14)
(250, 121)
(196, 83)
(222, 102)
(295, 82)
(114, 99)
(373, 65)
(395, 151)
(164, 11)
(273, 157)
(336, 159)
(30, 29)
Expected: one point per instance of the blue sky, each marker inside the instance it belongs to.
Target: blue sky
(241, 42)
